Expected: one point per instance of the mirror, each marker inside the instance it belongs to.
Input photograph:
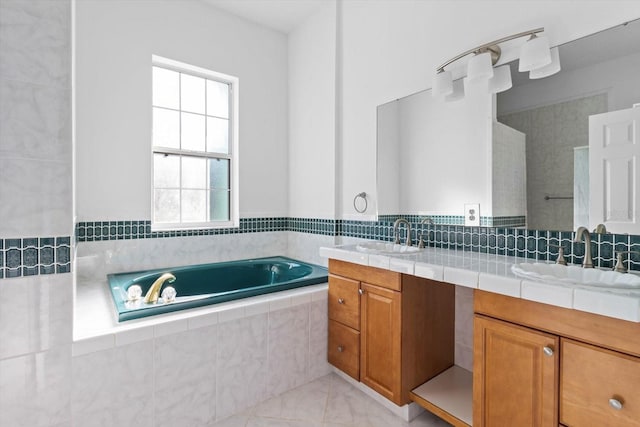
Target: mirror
(512, 154)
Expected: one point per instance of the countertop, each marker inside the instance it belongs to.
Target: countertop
(493, 273)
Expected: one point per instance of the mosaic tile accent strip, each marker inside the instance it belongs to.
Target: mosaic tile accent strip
(485, 221)
(519, 242)
(127, 230)
(34, 255)
(501, 240)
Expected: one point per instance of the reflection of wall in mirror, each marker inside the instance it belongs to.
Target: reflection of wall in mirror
(388, 159)
(552, 133)
(580, 186)
(509, 189)
(433, 156)
(553, 112)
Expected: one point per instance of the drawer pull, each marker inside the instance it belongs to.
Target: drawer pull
(361, 291)
(615, 404)
(341, 349)
(340, 300)
(548, 351)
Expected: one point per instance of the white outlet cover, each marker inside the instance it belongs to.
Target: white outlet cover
(472, 214)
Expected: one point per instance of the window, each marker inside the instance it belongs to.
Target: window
(195, 147)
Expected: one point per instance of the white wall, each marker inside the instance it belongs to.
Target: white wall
(391, 49)
(115, 41)
(312, 106)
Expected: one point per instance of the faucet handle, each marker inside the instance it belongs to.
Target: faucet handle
(620, 268)
(560, 260)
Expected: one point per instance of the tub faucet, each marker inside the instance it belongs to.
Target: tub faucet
(582, 233)
(154, 291)
(396, 233)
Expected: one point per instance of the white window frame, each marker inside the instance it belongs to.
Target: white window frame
(233, 156)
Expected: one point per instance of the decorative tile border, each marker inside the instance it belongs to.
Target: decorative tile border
(51, 255)
(127, 230)
(485, 221)
(32, 256)
(519, 242)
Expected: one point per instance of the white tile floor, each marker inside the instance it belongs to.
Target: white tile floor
(326, 402)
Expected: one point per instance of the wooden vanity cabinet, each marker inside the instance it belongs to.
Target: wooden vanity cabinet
(541, 365)
(404, 326)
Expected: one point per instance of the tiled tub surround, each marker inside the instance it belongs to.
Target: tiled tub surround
(201, 365)
(493, 273)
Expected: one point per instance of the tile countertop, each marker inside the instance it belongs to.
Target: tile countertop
(493, 273)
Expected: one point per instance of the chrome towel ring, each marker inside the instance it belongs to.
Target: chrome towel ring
(362, 196)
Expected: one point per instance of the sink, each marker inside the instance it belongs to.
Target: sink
(385, 248)
(576, 275)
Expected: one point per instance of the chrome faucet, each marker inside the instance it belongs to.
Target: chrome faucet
(153, 293)
(427, 220)
(582, 233)
(396, 226)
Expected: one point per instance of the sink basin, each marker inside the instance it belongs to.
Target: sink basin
(385, 248)
(576, 275)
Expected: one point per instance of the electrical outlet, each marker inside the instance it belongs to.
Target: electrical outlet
(472, 214)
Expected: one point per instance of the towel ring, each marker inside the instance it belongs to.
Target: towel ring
(362, 196)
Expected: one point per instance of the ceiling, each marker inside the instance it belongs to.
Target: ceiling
(279, 15)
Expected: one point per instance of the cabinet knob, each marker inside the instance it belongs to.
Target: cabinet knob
(548, 351)
(615, 404)
(361, 291)
(340, 300)
(340, 349)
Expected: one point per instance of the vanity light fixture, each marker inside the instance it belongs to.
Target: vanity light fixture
(535, 57)
(534, 54)
(549, 69)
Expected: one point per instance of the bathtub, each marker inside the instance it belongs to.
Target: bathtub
(200, 285)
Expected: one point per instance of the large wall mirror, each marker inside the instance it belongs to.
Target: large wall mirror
(522, 155)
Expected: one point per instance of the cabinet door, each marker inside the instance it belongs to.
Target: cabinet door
(380, 334)
(515, 375)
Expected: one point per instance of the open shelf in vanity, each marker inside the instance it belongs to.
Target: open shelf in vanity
(449, 396)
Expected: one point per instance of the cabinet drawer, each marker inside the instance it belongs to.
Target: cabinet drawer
(344, 349)
(344, 301)
(590, 377)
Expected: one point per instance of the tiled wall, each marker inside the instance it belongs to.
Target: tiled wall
(36, 211)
